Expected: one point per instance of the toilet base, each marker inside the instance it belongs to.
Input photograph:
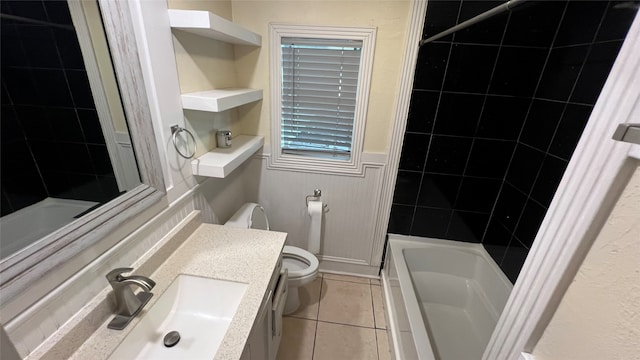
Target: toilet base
(293, 300)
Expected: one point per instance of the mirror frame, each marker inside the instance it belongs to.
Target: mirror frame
(22, 269)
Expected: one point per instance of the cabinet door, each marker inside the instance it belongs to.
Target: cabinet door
(279, 300)
(246, 353)
(261, 332)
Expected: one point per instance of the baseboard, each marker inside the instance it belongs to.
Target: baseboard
(390, 317)
(526, 356)
(334, 266)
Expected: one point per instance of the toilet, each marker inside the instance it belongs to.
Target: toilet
(301, 264)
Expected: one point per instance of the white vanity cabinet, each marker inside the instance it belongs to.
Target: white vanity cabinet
(266, 333)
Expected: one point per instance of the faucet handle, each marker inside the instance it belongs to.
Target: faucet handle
(116, 274)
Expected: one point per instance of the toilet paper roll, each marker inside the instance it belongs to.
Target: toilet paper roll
(315, 211)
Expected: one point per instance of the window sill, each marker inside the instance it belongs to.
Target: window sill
(354, 167)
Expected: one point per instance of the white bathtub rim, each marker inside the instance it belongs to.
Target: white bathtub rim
(394, 327)
(397, 245)
(391, 317)
(401, 243)
(27, 213)
(475, 248)
(418, 328)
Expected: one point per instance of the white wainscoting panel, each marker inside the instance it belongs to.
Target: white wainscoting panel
(349, 220)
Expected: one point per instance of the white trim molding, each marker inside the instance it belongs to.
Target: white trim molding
(414, 34)
(597, 173)
(367, 160)
(526, 356)
(354, 165)
(105, 107)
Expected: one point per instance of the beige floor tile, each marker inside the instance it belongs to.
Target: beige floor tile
(375, 282)
(337, 342)
(309, 300)
(356, 279)
(298, 336)
(346, 303)
(383, 345)
(378, 307)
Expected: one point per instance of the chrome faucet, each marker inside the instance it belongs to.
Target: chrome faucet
(128, 304)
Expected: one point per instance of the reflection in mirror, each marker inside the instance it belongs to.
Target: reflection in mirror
(65, 145)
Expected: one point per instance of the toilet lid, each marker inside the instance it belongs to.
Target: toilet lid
(299, 262)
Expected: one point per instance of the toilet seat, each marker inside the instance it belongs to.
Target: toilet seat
(299, 262)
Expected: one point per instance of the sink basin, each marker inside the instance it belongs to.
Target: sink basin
(200, 309)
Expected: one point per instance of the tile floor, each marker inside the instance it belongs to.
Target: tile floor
(340, 317)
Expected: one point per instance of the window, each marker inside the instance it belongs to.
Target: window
(320, 84)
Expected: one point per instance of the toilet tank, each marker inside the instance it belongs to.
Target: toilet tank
(249, 216)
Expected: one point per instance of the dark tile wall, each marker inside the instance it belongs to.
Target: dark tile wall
(52, 143)
(496, 112)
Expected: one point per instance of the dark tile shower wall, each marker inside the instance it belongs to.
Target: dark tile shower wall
(52, 143)
(496, 112)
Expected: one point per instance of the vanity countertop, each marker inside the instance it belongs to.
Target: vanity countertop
(213, 251)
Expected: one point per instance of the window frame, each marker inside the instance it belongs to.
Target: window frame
(280, 160)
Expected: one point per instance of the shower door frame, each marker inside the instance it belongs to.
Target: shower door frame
(594, 179)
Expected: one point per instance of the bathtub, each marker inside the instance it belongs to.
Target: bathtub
(26, 226)
(443, 298)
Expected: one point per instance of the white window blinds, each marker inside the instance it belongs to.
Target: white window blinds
(319, 83)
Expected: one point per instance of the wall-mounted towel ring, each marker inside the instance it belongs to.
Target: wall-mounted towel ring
(175, 130)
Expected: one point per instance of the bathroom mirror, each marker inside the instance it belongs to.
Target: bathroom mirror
(121, 196)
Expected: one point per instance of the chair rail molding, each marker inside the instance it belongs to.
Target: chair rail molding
(414, 34)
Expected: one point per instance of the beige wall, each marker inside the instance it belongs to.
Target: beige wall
(599, 316)
(203, 63)
(252, 65)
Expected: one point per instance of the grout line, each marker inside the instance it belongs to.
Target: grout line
(352, 281)
(457, 137)
(517, 141)
(488, 94)
(351, 325)
(515, 228)
(521, 243)
(315, 337)
(315, 334)
(320, 295)
(484, 103)
(377, 344)
(435, 117)
(489, 44)
(373, 307)
(474, 138)
(299, 317)
(431, 137)
(465, 176)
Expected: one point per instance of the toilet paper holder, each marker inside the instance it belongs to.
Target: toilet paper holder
(317, 193)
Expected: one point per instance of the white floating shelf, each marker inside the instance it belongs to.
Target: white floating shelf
(219, 100)
(220, 162)
(207, 24)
